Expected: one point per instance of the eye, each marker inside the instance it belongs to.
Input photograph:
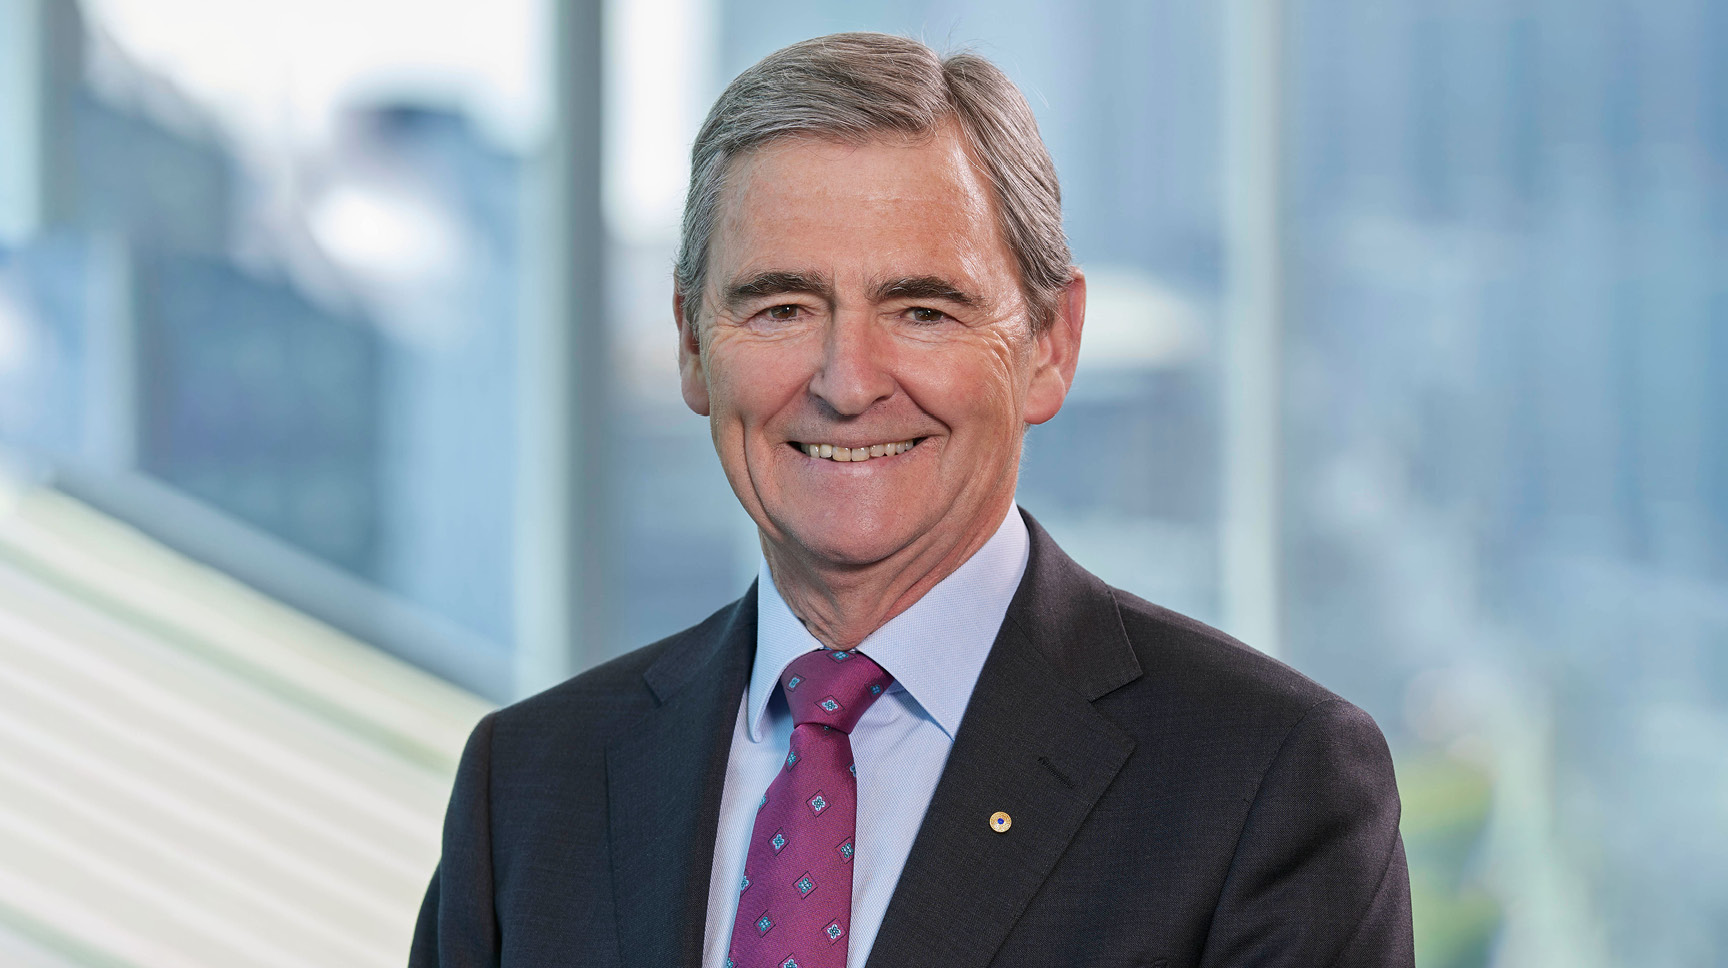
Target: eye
(924, 314)
(781, 313)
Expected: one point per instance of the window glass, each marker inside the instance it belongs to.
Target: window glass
(1507, 500)
(272, 314)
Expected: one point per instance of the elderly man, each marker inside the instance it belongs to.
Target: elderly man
(925, 736)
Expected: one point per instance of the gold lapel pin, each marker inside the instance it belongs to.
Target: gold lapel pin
(1000, 822)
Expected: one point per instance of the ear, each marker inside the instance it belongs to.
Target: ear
(1056, 353)
(691, 379)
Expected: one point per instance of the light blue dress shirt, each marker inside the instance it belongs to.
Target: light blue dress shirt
(934, 650)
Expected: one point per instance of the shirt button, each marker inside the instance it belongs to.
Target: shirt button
(1000, 822)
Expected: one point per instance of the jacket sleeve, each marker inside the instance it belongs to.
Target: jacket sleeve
(1318, 877)
(458, 927)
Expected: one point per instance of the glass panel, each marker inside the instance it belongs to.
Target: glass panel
(1508, 497)
(287, 287)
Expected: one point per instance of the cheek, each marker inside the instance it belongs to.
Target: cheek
(980, 389)
(748, 384)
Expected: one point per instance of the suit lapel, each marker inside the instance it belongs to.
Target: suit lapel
(1030, 745)
(664, 781)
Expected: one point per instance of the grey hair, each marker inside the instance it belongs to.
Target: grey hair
(859, 86)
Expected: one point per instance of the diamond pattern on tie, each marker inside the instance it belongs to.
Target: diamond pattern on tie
(796, 904)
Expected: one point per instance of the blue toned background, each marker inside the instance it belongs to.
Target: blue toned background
(338, 403)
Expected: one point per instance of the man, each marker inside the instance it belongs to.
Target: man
(925, 736)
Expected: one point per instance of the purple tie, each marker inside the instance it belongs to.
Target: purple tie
(795, 902)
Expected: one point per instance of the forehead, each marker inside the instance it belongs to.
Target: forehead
(882, 208)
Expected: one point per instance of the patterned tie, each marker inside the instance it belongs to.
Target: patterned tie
(795, 905)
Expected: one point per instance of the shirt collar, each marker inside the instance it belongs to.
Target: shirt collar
(934, 650)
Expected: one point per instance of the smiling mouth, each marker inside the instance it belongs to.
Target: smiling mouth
(831, 452)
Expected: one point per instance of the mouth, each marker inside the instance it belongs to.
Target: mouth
(855, 454)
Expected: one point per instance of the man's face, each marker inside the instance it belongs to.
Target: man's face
(862, 297)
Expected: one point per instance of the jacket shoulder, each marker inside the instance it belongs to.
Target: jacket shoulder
(1286, 790)
(1205, 665)
(599, 703)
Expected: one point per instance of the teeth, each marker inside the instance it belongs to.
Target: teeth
(831, 452)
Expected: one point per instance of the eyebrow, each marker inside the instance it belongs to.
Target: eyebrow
(779, 282)
(924, 287)
(776, 283)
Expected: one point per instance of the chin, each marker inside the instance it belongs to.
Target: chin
(852, 551)
(860, 540)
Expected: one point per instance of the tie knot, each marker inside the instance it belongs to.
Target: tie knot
(832, 688)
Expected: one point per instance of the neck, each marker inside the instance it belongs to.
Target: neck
(842, 604)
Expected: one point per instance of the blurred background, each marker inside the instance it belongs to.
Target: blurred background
(338, 405)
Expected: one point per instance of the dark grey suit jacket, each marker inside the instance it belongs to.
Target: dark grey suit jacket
(1178, 799)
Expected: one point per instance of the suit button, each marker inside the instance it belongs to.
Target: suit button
(1000, 822)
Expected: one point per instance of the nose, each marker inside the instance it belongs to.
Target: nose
(854, 373)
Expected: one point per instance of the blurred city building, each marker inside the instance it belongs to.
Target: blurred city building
(1507, 466)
